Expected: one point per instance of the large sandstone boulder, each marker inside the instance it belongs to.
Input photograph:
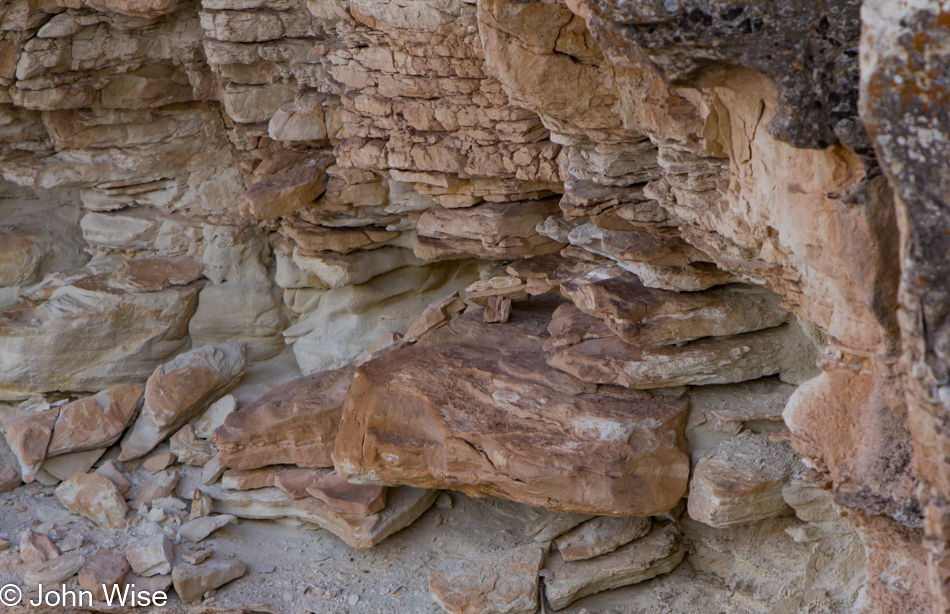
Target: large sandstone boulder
(473, 407)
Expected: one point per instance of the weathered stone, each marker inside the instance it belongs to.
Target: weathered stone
(741, 481)
(199, 528)
(36, 548)
(64, 466)
(646, 316)
(214, 416)
(188, 448)
(583, 346)
(154, 274)
(9, 467)
(94, 422)
(160, 462)
(403, 506)
(102, 571)
(295, 482)
(295, 423)
(193, 581)
(450, 437)
(240, 479)
(54, 571)
(496, 583)
(657, 553)
(511, 288)
(177, 390)
(359, 499)
(600, 536)
(151, 556)
(160, 486)
(550, 525)
(94, 497)
(434, 316)
(28, 436)
(114, 471)
(283, 183)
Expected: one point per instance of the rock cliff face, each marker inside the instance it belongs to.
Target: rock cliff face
(665, 280)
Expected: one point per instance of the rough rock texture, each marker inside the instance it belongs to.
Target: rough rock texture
(489, 585)
(470, 410)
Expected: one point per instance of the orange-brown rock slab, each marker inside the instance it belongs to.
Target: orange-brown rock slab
(96, 421)
(473, 407)
(361, 499)
(295, 423)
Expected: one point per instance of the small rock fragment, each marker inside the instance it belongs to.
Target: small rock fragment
(444, 501)
(72, 541)
(94, 497)
(104, 569)
(189, 449)
(197, 557)
(159, 462)
(200, 505)
(498, 310)
(193, 581)
(162, 485)
(151, 556)
(200, 528)
(212, 471)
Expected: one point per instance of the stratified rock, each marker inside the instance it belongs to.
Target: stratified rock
(496, 583)
(94, 497)
(240, 479)
(28, 436)
(646, 316)
(583, 346)
(491, 230)
(200, 528)
(339, 494)
(102, 571)
(159, 487)
(295, 423)
(193, 581)
(295, 482)
(509, 287)
(600, 536)
(552, 524)
(177, 390)
(741, 481)
(403, 506)
(473, 407)
(154, 274)
(94, 422)
(54, 571)
(151, 556)
(648, 557)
